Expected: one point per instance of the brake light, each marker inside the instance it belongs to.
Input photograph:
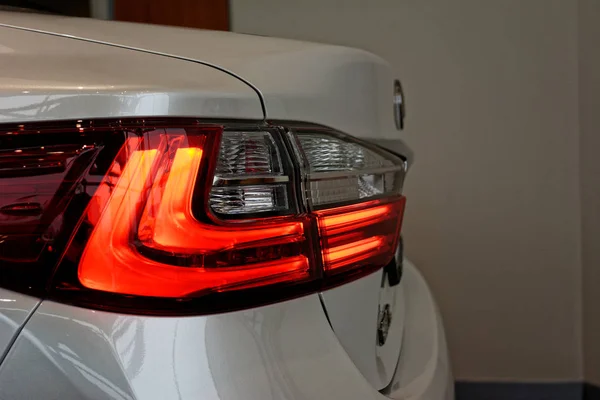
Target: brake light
(181, 210)
(148, 243)
(358, 235)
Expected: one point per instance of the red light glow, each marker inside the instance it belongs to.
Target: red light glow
(359, 235)
(162, 190)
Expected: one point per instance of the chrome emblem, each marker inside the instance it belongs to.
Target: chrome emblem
(399, 106)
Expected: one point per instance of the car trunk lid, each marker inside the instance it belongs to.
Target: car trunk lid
(348, 89)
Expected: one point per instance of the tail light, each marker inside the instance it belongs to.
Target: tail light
(190, 217)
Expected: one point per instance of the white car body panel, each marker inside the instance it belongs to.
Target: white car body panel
(15, 308)
(348, 89)
(281, 351)
(357, 329)
(112, 83)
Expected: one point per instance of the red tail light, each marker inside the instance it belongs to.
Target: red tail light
(147, 241)
(182, 211)
(360, 234)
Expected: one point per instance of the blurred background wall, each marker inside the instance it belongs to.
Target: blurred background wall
(493, 217)
(205, 14)
(589, 114)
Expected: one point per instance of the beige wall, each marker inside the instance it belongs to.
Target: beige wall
(589, 102)
(493, 214)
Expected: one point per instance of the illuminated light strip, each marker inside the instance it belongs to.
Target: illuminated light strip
(109, 242)
(352, 250)
(110, 263)
(355, 217)
(353, 237)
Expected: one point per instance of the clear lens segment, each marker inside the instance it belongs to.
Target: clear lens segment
(248, 153)
(343, 170)
(248, 199)
(326, 153)
(248, 169)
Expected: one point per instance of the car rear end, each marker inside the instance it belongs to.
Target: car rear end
(210, 218)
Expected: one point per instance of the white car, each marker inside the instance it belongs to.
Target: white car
(202, 215)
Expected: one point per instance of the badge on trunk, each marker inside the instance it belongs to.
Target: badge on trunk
(399, 105)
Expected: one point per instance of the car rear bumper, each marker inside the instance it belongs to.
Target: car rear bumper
(424, 370)
(281, 351)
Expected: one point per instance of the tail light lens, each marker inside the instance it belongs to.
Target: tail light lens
(359, 235)
(156, 216)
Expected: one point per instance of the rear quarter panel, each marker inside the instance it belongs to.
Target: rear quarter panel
(15, 309)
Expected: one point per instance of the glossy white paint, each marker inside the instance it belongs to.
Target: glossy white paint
(44, 77)
(286, 350)
(353, 313)
(14, 310)
(423, 370)
(347, 89)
